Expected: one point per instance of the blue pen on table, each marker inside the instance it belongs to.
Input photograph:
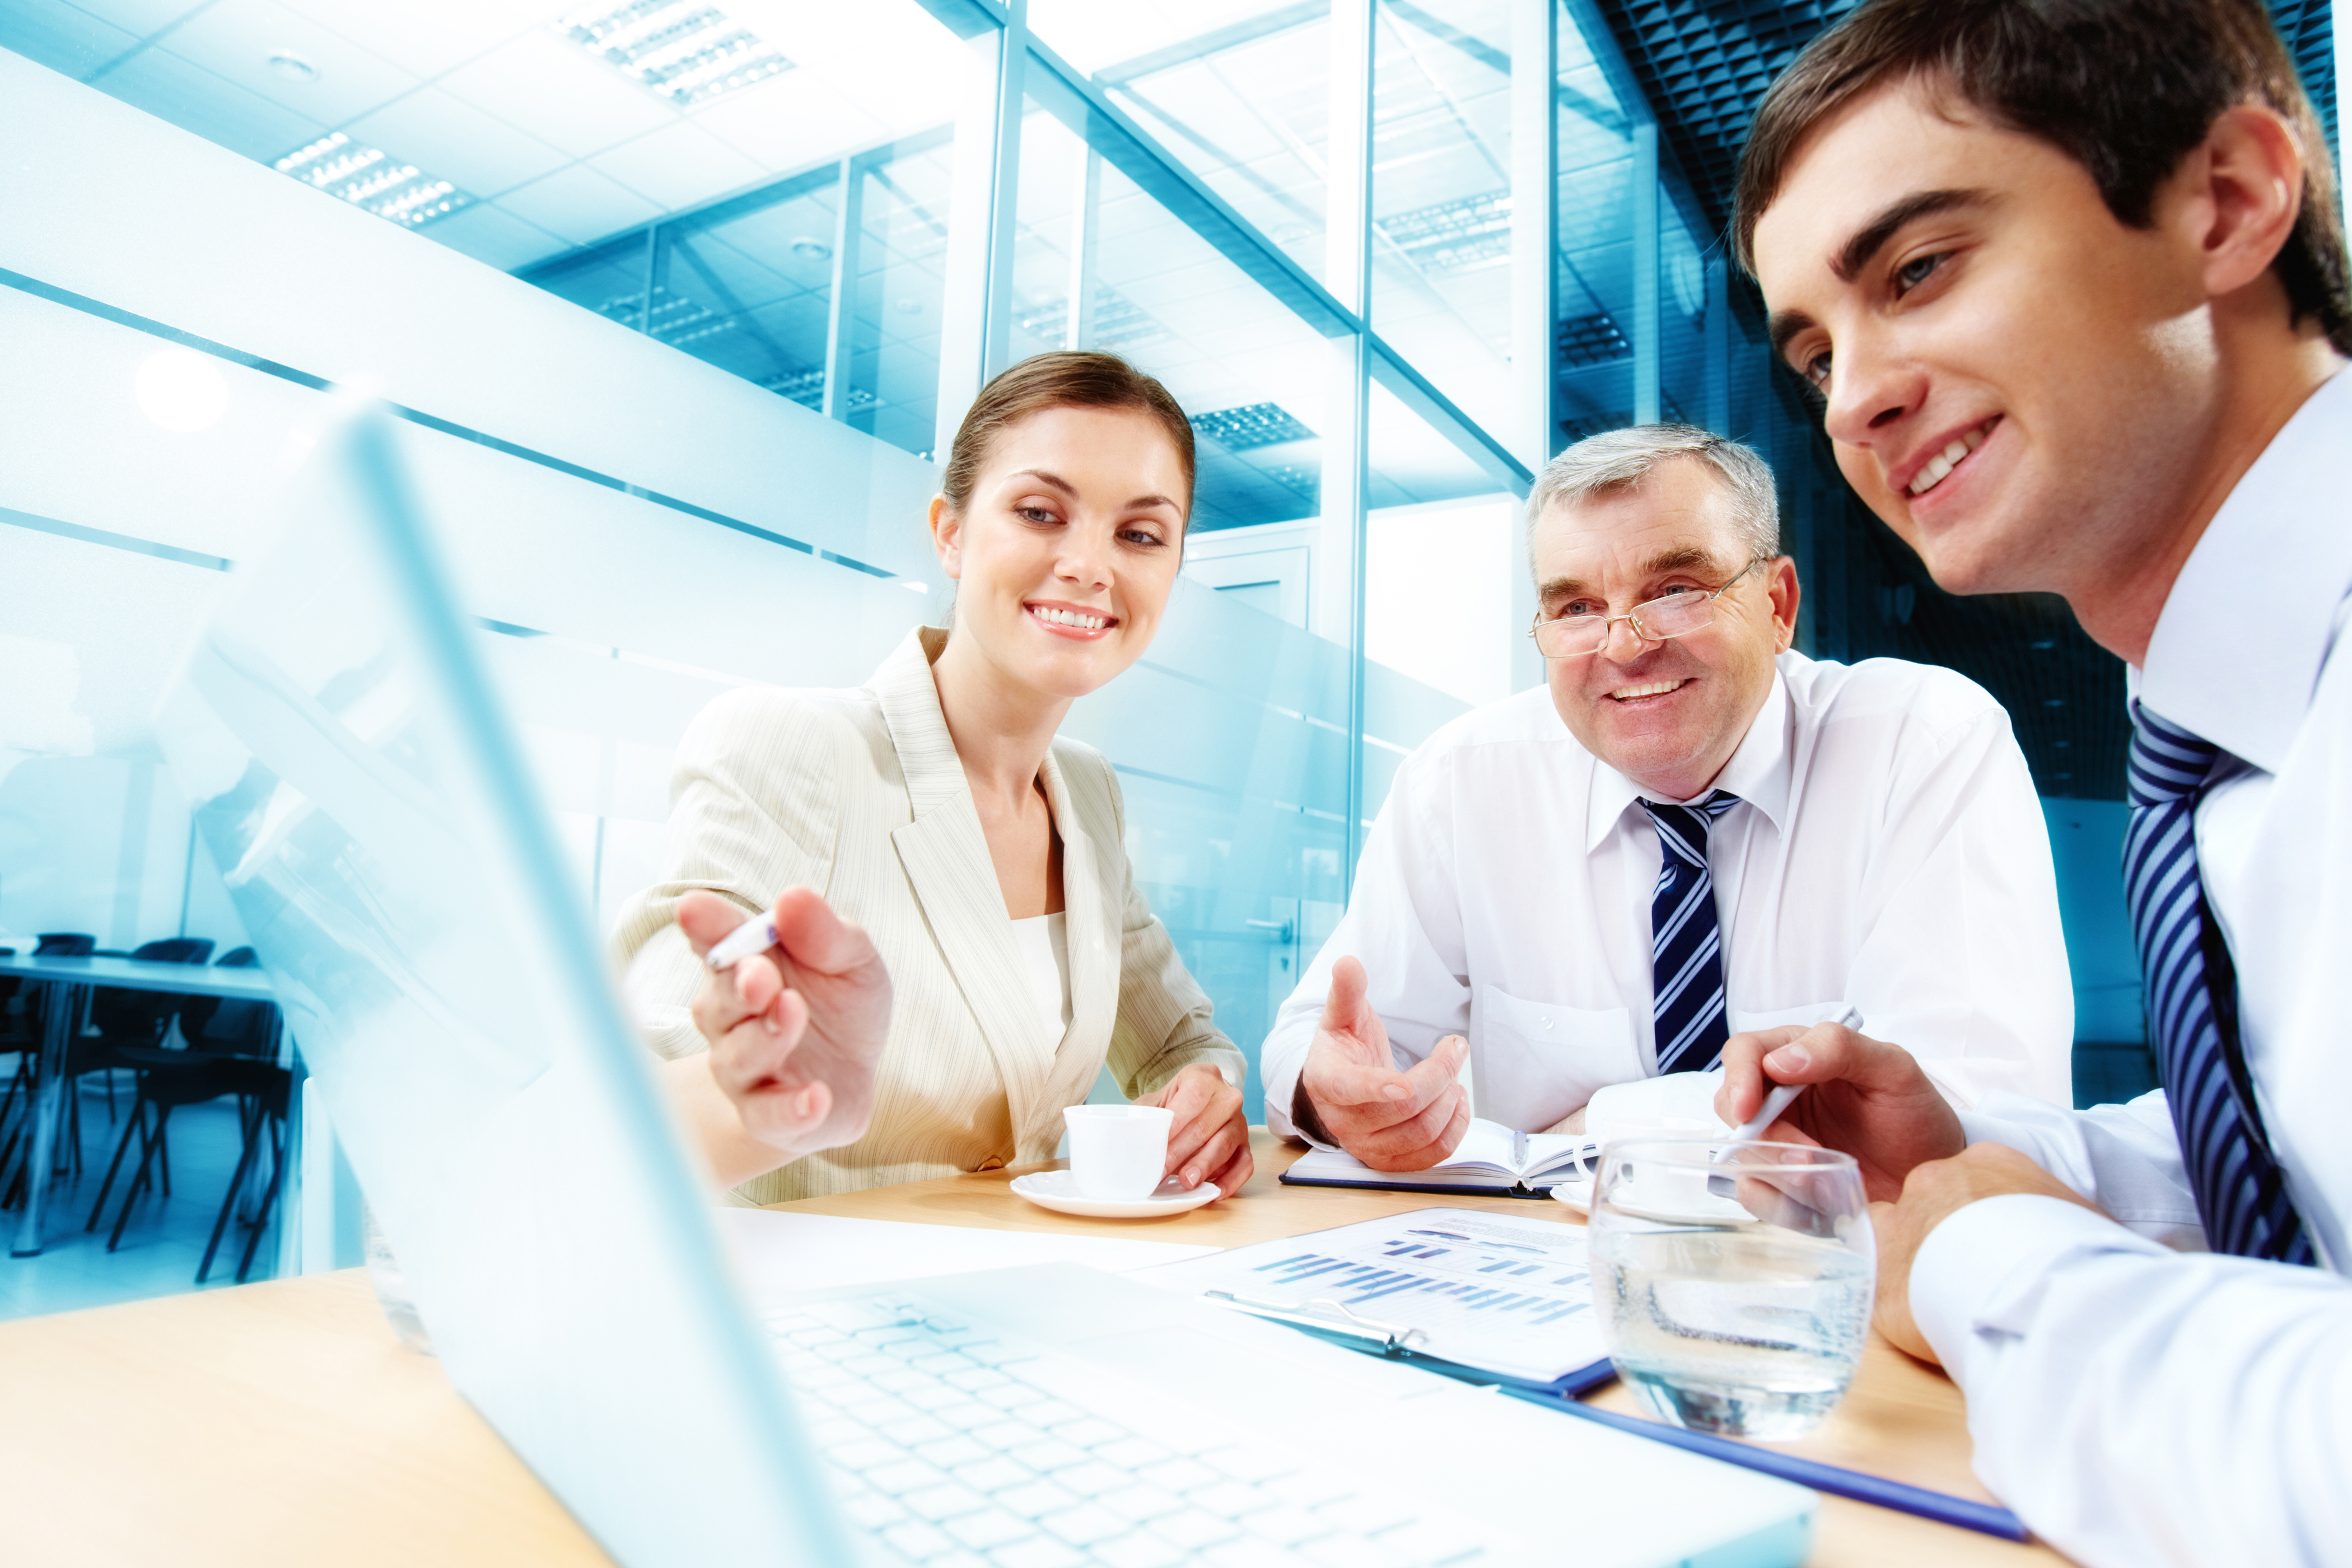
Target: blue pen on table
(755, 935)
(1985, 1518)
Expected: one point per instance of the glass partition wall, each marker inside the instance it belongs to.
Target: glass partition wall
(679, 321)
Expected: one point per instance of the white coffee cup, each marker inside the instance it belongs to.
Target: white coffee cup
(1118, 1153)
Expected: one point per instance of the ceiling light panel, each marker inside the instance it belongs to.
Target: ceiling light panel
(373, 180)
(1251, 425)
(1590, 339)
(1464, 235)
(685, 51)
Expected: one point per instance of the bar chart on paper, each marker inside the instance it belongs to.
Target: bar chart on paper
(1506, 1296)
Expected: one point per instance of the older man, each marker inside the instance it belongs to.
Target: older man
(1693, 831)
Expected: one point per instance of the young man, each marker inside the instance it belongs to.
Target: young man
(2069, 276)
(1691, 829)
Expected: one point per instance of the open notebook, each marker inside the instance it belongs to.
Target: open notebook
(1492, 1159)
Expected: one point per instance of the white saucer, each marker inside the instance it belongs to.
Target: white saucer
(1575, 1194)
(1680, 1203)
(1058, 1191)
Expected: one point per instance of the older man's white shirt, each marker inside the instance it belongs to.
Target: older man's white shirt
(1891, 856)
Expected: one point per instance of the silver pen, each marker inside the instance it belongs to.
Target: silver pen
(755, 935)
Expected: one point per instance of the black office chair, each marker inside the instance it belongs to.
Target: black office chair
(197, 1013)
(120, 1018)
(48, 944)
(175, 950)
(266, 1090)
(230, 1043)
(17, 1037)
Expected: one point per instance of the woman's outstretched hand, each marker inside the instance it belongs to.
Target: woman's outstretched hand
(794, 1033)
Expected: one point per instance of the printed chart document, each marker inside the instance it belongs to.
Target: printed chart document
(1492, 1161)
(1502, 1299)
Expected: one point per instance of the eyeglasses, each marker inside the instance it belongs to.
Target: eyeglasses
(1675, 615)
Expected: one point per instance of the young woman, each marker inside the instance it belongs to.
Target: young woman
(960, 942)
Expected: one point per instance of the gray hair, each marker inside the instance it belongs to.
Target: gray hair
(1621, 459)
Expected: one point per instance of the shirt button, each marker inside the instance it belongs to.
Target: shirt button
(1546, 1022)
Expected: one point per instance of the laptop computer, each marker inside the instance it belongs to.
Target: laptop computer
(347, 762)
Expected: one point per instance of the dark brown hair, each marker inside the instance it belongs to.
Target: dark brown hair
(2128, 88)
(1063, 379)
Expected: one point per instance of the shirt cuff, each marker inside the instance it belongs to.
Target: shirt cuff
(1279, 1122)
(1279, 1087)
(1983, 1269)
(1979, 1127)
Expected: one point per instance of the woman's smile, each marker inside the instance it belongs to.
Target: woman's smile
(1063, 619)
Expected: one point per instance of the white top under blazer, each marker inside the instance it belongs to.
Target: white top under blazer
(859, 794)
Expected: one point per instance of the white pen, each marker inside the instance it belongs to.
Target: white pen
(755, 935)
(1782, 1096)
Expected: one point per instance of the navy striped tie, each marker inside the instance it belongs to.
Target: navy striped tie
(2192, 1012)
(1685, 941)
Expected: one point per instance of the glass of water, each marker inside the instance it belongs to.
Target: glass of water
(1734, 1281)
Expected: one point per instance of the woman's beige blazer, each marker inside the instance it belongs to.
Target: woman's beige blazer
(859, 796)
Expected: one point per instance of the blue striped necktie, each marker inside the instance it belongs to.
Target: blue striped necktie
(1685, 941)
(2192, 1011)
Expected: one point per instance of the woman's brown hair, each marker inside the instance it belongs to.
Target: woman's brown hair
(1063, 379)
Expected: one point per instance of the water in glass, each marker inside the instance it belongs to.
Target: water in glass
(1734, 1298)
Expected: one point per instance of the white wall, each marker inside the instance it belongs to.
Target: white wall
(1437, 594)
(1438, 580)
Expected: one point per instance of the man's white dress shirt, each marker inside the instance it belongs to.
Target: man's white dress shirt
(1890, 855)
(2137, 1406)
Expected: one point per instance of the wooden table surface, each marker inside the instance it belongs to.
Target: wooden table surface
(282, 1424)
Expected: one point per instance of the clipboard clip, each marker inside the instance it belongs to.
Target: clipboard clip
(1392, 1339)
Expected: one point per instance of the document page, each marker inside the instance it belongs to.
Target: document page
(1508, 1296)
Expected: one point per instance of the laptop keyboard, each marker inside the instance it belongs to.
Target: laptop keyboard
(961, 1449)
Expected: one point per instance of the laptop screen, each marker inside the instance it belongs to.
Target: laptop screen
(349, 765)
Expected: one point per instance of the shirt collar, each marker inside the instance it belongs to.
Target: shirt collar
(2273, 567)
(1757, 772)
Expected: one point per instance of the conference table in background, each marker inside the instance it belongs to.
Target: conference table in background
(283, 1424)
(65, 979)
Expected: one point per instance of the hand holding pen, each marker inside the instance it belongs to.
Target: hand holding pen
(1783, 1095)
(795, 1009)
(1862, 1096)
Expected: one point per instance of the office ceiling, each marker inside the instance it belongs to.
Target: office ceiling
(551, 146)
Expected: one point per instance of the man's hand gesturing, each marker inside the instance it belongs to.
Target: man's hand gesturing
(1351, 1094)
